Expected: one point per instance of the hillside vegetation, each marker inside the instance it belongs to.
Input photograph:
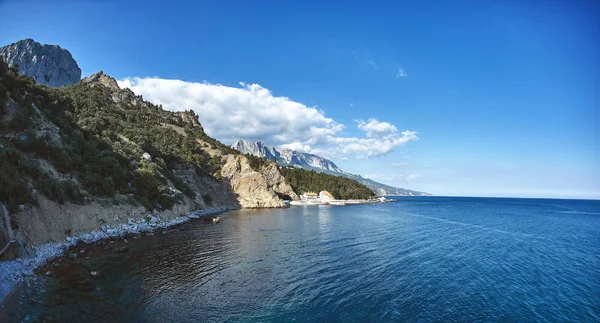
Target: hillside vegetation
(340, 187)
(82, 141)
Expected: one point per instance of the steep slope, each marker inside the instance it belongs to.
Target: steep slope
(254, 188)
(81, 157)
(47, 64)
(287, 157)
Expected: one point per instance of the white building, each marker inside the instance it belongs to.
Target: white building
(325, 196)
(309, 196)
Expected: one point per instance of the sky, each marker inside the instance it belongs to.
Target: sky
(469, 98)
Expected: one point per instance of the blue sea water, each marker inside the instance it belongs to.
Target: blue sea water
(421, 259)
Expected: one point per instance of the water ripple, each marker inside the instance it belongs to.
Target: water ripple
(418, 260)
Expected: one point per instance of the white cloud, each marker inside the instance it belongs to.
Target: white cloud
(252, 112)
(375, 128)
(401, 73)
(372, 63)
(369, 147)
(412, 177)
(402, 164)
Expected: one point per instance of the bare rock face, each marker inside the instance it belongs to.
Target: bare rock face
(277, 183)
(255, 189)
(47, 64)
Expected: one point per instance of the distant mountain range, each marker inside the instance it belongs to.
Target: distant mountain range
(288, 157)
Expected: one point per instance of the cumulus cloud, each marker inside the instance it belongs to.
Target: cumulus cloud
(401, 73)
(252, 112)
(374, 128)
(402, 164)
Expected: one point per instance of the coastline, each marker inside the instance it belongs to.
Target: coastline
(338, 202)
(13, 272)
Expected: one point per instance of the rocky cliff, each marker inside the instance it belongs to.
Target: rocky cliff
(256, 189)
(47, 64)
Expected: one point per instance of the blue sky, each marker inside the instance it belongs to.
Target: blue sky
(504, 95)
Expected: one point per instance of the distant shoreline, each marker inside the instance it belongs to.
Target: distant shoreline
(338, 202)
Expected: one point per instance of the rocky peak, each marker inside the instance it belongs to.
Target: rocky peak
(117, 94)
(47, 64)
(286, 156)
(101, 79)
(258, 149)
(189, 117)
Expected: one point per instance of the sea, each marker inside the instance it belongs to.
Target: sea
(420, 259)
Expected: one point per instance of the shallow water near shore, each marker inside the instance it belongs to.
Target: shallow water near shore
(419, 259)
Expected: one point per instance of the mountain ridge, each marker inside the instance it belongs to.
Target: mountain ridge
(288, 157)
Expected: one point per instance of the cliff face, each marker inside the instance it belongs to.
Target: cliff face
(47, 64)
(256, 189)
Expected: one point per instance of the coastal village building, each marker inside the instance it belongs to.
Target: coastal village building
(309, 196)
(325, 196)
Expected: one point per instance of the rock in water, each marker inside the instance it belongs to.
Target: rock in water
(47, 64)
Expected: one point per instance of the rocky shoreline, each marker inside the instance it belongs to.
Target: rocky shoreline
(13, 272)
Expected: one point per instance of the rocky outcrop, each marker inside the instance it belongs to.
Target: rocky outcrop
(277, 183)
(102, 79)
(47, 64)
(256, 189)
(116, 93)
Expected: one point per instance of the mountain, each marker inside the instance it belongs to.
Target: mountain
(288, 157)
(47, 64)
